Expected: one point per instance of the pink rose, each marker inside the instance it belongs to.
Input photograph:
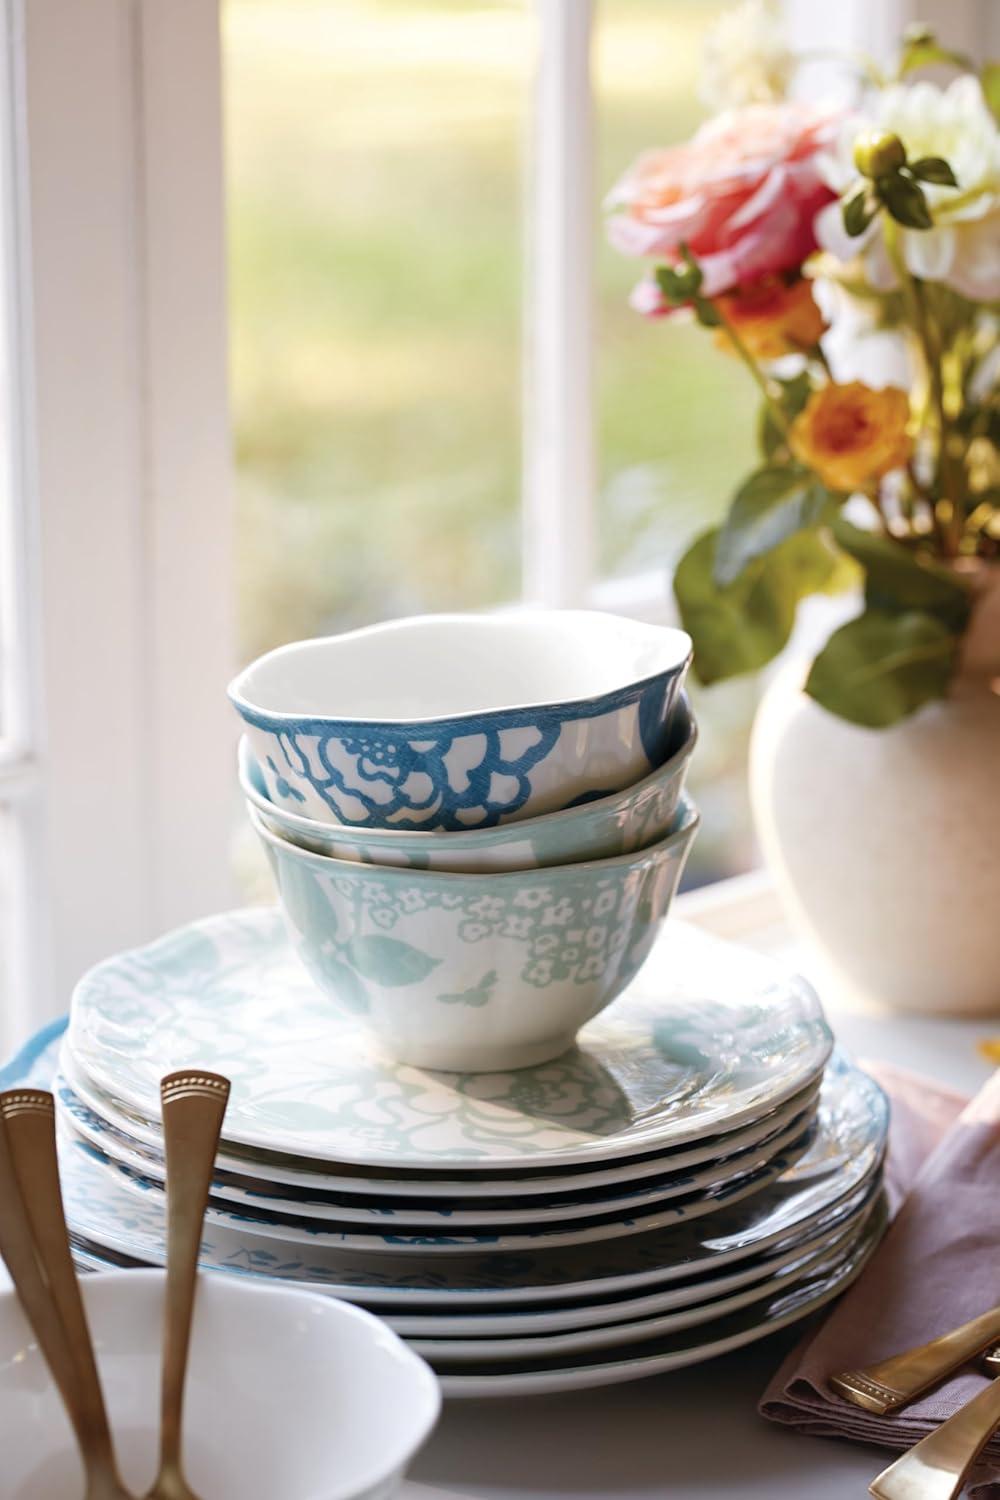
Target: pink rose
(742, 195)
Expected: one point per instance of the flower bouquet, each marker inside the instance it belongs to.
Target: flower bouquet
(780, 224)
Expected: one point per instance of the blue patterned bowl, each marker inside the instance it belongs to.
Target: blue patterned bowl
(476, 973)
(620, 824)
(462, 721)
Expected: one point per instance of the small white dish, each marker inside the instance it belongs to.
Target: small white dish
(462, 721)
(287, 1394)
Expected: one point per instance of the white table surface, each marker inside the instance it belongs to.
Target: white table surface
(694, 1434)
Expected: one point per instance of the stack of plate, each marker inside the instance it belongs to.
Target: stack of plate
(697, 1173)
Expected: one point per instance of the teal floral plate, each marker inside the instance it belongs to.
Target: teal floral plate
(258, 1198)
(824, 1189)
(707, 1038)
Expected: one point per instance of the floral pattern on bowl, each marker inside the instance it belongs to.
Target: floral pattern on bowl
(603, 828)
(478, 972)
(466, 768)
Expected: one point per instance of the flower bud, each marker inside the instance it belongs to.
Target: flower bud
(878, 153)
(918, 34)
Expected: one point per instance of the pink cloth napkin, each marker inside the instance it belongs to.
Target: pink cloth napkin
(938, 1266)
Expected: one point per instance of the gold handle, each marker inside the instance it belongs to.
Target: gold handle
(936, 1467)
(894, 1382)
(29, 1119)
(18, 1251)
(193, 1104)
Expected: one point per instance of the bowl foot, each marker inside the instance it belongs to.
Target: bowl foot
(472, 1057)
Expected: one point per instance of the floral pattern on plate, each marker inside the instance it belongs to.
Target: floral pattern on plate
(828, 1185)
(707, 1038)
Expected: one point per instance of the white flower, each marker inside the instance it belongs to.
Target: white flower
(746, 57)
(963, 248)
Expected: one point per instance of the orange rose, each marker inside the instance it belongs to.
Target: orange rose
(772, 317)
(851, 434)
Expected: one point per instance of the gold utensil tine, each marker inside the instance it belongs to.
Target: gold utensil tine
(892, 1383)
(29, 1174)
(937, 1467)
(193, 1104)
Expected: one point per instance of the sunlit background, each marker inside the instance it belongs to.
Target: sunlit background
(376, 171)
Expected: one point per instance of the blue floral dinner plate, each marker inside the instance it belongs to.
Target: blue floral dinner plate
(258, 1198)
(827, 1185)
(708, 1038)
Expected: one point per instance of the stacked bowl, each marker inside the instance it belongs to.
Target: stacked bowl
(473, 1091)
(476, 854)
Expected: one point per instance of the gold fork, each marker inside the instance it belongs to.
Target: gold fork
(193, 1104)
(892, 1383)
(35, 1244)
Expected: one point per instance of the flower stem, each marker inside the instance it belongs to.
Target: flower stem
(947, 526)
(780, 419)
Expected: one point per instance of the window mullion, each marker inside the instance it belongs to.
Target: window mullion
(559, 467)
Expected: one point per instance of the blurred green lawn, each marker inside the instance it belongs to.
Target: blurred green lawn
(375, 152)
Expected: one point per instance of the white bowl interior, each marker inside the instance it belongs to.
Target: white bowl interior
(287, 1394)
(443, 666)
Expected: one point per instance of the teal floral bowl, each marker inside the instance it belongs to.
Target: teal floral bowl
(476, 973)
(620, 824)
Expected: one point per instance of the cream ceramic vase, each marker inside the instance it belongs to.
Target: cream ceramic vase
(885, 844)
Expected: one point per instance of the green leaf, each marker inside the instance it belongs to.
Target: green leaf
(881, 667)
(905, 201)
(771, 505)
(898, 579)
(990, 79)
(679, 283)
(388, 961)
(933, 169)
(740, 628)
(858, 212)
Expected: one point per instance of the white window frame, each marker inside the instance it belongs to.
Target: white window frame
(121, 756)
(118, 603)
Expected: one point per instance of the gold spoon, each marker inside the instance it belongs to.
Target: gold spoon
(35, 1244)
(193, 1104)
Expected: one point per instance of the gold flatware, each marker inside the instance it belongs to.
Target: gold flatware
(35, 1244)
(936, 1468)
(892, 1383)
(193, 1104)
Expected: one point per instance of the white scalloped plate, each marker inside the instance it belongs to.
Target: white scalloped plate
(708, 1038)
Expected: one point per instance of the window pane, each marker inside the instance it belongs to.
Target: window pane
(676, 415)
(7, 935)
(375, 250)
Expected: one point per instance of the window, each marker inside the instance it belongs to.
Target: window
(377, 206)
(373, 154)
(388, 163)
